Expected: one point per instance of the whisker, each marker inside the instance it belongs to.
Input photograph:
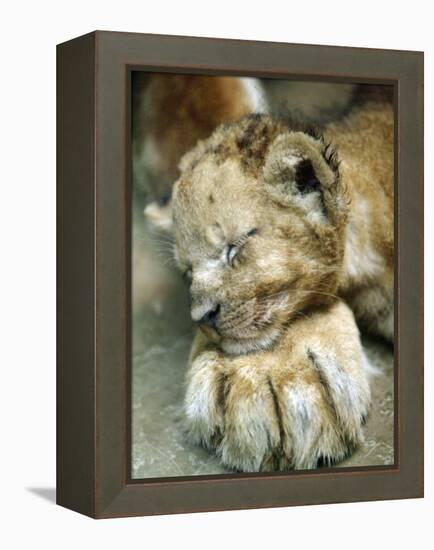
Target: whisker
(319, 292)
(170, 262)
(158, 234)
(163, 252)
(164, 244)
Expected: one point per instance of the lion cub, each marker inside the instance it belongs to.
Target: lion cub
(273, 225)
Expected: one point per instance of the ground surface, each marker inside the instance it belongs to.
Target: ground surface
(162, 336)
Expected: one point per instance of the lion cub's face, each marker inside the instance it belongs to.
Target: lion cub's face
(258, 217)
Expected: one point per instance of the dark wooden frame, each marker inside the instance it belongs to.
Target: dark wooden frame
(93, 378)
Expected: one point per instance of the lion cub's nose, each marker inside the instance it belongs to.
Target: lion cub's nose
(210, 317)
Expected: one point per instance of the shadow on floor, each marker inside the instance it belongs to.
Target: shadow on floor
(47, 493)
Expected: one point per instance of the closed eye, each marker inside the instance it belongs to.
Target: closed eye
(233, 249)
(231, 252)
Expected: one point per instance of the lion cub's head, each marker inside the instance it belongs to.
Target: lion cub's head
(258, 219)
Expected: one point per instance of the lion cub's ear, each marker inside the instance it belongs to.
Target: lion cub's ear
(159, 217)
(297, 172)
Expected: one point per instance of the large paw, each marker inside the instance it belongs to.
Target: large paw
(259, 416)
(231, 409)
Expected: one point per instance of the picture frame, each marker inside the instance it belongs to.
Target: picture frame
(94, 274)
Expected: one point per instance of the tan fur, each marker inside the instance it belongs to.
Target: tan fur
(365, 145)
(289, 407)
(270, 229)
(345, 248)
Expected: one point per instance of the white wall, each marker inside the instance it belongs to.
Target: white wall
(29, 32)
